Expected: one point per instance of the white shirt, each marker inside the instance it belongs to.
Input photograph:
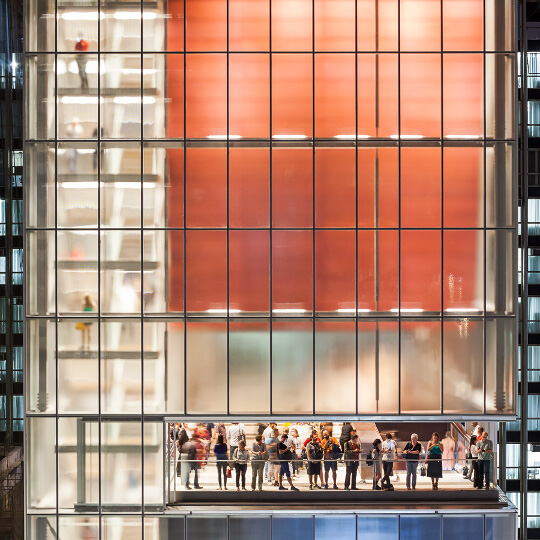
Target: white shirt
(390, 446)
(235, 433)
(268, 433)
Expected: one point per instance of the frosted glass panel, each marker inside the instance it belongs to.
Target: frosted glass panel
(249, 367)
(376, 527)
(206, 527)
(420, 527)
(420, 357)
(335, 367)
(343, 527)
(206, 367)
(292, 361)
(462, 527)
(500, 272)
(247, 528)
(501, 527)
(292, 528)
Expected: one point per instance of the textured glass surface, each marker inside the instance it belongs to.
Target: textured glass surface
(246, 528)
(373, 527)
(294, 528)
(419, 527)
(341, 526)
(462, 527)
(207, 527)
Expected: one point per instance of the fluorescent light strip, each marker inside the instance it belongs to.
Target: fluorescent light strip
(463, 310)
(407, 310)
(289, 310)
(223, 311)
(349, 137)
(94, 185)
(352, 310)
(462, 136)
(223, 137)
(407, 137)
(289, 136)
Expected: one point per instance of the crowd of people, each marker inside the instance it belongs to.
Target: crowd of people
(275, 456)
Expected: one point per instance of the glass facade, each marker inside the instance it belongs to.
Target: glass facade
(257, 208)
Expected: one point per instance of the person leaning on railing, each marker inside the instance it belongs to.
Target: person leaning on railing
(434, 460)
(473, 451)
(485, 453)
(411, 454)
(351, 454)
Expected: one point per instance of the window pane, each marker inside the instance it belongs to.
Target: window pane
(206, 280)
(500, 185)
(500, 365)
(249, 276)
(463, 33)
(249, 95)
(39, 103)
(246, 527)
(463, 186)
(165, 32)
(378, 275)
(249, 367)
(292, 340)
(420, 25)
(420, 354)
(335, 367)
(120, 366)
(419, 527)
(463, 95)
(500, 272)
(249, 25)
(500, 104)
(378, 367)
(373, 527)
(206, 367)
(463, 271)
(40, 366)
(120, 33)
(77, 528)
(291, 25)
(39, 28)
(292, 93)
(420, 80)
(206, 25)
(127, 528)
(40, 280)
(421, 187)
(153, 462)
(207, 527)
(120, 268)
(292, 187)
(335, 187)
(292, 272)
(39, 164)
(341, 526)
(335, 269)
(421, 270)
(206, 93)
(121, 464)
(206, 187)
(249, 187)
(335, 95)
(78, 369)
(463, 375)
(500, 25)
(334, 25)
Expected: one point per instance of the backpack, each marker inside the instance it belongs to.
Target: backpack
(317, 453)
(369, 459)
(336, 451)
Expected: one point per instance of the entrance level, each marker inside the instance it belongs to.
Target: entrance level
(201, 471)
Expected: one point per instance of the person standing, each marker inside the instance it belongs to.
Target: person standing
(241, 458)
(295, 439)
(220, 451)
(330, 445)
(412, 455)
(351, 455)
(347, 430)
(314, 453)
(473, 451)
(273, 462)
(485, 453)
(449, 453)
(189, 456)
(434, 467)
(388, 457)
(258, 459)
(81, 47)
(235, 433)
(285, 457)
(375, 459)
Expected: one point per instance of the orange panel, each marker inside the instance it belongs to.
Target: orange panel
(249, 95)
(383, 268)
(175, 95)
(420, 95)
(292, 270)
(249, 270)
(249, 187)
(421, 187)
(292, 94)
(334, 25)
(385, 161)
(335, 95)
(366, 27)
(463, 95)
(175, 25)
(206, 263)
(420, 25)
(249, 25)
(335, 187)
(206, 95)
(292, 187)
(421, 270)
(335, 270)
(206, 187)
(463, 186)
(291, 25)
(463, 33)
(206, 25)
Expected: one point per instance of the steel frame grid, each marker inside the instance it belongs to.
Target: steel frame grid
(271, 143)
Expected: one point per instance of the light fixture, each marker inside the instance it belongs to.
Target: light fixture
(289, 310)
(218, 311)
(406, 136)
(349, 137)
(352, 310)
(407, 310)
(294, 136)
(462, 136)
(223, 137)
(463, 310)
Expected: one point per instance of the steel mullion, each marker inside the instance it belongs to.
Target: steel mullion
(228, 216)
(185, 223)
(99, 164)
(442, 207)
(270, 193)
(141, 322)
(399, 204)
(56, 253)
(313, 172)
(356, 200)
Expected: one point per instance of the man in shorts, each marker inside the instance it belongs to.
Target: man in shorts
(285, 457)
(314, 453)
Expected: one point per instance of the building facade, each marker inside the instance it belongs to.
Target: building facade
(300, 209)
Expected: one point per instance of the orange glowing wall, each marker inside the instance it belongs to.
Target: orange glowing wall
(334, 94)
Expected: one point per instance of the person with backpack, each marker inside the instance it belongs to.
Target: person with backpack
(388, 458)
(374, 460)
(181, 437)
(285, 457)
(241, 458)
(220, 451)
(235, 433)
(352, 450)
(189, 457)
(314, 454)
(332, 452)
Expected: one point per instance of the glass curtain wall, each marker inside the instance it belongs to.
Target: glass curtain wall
(300, 207)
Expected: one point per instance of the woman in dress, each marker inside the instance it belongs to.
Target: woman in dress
(377, 463)
(88, 306)
(435, 450)
(449, 453)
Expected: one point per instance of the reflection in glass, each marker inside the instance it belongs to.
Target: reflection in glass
(39, 98)
(500, 271)
(39, 170)
(39, 278)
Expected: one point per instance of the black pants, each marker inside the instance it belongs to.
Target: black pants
(484, 466)
(476, 472)
(222, 469)
(388, 467)
(350, 474)
(240, 470)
